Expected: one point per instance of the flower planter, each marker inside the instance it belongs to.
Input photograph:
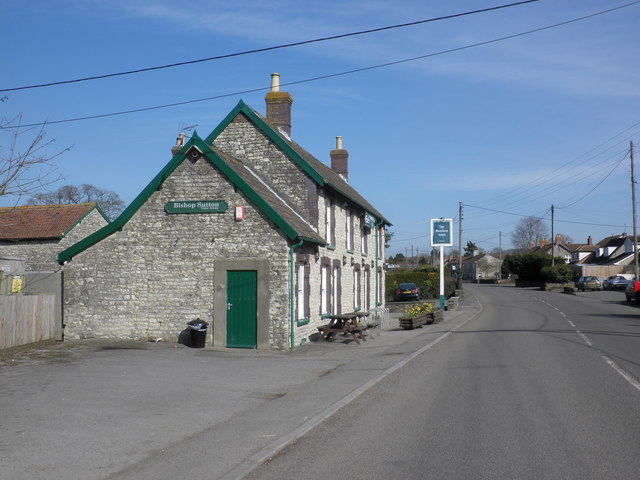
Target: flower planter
(409, 323)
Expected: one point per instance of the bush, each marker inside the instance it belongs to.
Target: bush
(557, 274)
(529, 266)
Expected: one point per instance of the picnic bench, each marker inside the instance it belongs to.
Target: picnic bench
(345, 323)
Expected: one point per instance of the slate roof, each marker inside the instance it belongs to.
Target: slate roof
(302, 227)
(41, 222)
(318, 170)
(258, 191)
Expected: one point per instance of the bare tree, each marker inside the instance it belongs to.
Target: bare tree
(529, 229)
(108, 201)
(25, 164)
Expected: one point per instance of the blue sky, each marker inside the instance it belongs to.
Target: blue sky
(507, 128)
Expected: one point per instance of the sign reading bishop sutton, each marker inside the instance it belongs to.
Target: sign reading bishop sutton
(196, 206)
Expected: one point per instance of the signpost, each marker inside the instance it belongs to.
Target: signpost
(441, 236)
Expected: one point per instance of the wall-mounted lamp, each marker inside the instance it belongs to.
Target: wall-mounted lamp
(344, 259)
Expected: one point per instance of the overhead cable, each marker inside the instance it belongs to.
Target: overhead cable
(328, 76)
(266, 49)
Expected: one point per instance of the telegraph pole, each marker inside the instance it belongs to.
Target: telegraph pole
(499, 256)
(459, 244)
(633, 200)
(553, 241)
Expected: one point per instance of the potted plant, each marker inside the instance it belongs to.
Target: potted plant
(417, 315)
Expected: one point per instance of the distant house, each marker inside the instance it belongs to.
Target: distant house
(481, 266)
(580, 252)
(557, 249)
(37, 233)
(613, 250)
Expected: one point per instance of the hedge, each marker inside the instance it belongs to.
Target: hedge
(427, 280)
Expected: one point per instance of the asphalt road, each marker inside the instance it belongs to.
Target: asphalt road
(537, 385)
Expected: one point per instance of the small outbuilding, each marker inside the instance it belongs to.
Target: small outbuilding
(37, 233)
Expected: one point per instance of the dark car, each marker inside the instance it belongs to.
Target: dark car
(589, 282)
(630, 292)
(407, 291)
(615, 282)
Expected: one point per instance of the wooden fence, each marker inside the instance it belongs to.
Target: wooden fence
(26, 319)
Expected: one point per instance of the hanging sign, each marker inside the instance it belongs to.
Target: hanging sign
(441, 232)
(196, 206)
(369, 221)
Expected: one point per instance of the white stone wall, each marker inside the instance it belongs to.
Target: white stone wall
(346, 268)
(148, 280)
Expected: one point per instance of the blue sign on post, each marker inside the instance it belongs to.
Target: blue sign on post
(441, 236)
(441, 233)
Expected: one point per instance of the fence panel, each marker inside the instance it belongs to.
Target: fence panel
(26, 319)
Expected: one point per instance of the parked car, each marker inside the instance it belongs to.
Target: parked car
(629, 293)
(615, 282)
(407, 291)
(588, 282)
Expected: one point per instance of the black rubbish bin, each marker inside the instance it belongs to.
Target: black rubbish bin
(198, 331)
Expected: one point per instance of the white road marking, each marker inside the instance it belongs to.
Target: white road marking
(623, 373)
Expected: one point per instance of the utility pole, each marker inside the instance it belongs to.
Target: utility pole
(633, 200)
(553, 241)
(499, 256)
(459, 244)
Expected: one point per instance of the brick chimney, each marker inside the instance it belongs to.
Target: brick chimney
(558, 238)
(589, 240)
(278, 105)
(544, 241)
(179, 144)
(340, 160)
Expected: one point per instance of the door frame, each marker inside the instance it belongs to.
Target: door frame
(221, 267)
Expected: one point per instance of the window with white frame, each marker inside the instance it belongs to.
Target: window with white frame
(330, 221)
(300, 291)
(356, 289)
(335, 286)
(324, 289)
(366, 280)
(348, 229)
(364, 240)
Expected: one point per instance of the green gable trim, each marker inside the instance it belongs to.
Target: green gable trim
(96, 207)
(213, 158)
(128, 212)
(265, 128)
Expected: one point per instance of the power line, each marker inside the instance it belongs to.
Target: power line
(266, 49)
(541, 218)
(323, 77)
(598, 184)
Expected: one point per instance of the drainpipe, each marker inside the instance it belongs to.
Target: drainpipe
(377, 225)
(291, 293)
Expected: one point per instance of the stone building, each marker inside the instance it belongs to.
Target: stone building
(37, 233)
(243, 229)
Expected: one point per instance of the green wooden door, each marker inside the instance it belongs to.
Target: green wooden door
(242, 308)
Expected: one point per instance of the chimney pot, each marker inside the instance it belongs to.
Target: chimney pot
(179, 144)
(589, 240)
(275, 82)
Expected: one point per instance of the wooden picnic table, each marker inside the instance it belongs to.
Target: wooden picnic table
(346, 323)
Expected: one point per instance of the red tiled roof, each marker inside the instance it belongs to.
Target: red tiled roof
(40, 221)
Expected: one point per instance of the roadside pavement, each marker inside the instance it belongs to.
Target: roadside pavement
(96, 410)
